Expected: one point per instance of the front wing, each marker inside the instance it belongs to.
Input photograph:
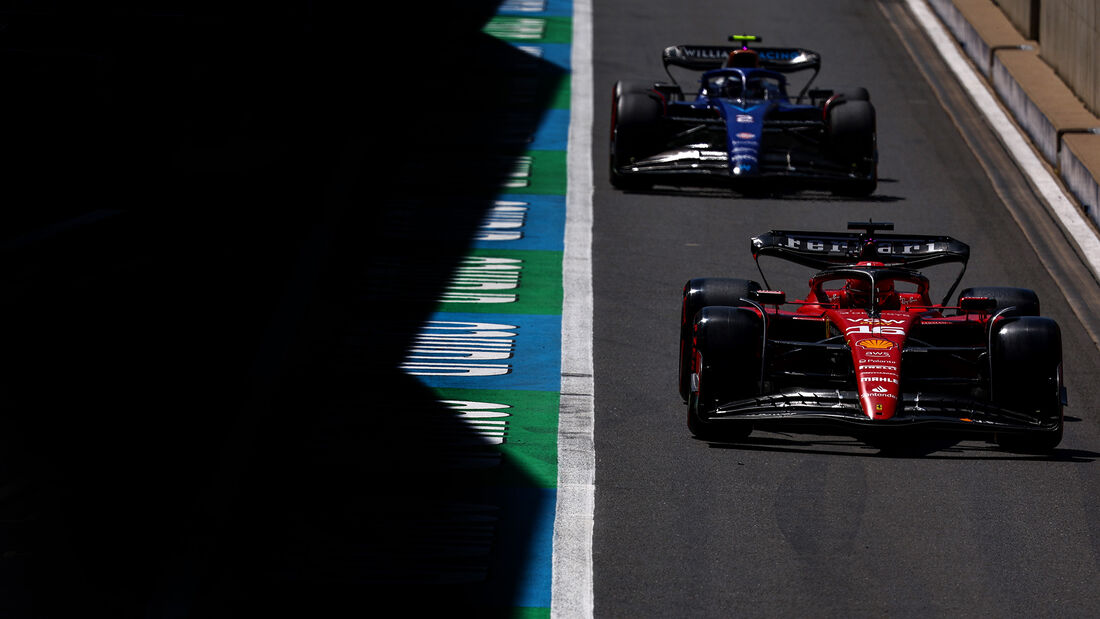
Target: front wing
(836, 410)
(707, 162)
(712, 167)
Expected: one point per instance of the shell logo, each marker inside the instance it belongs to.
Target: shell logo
(875, 343)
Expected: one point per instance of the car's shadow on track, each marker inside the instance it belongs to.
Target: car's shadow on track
(768, 193)
(927, 448)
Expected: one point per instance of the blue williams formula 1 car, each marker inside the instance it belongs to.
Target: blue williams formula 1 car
(867, 352)
(741, 129)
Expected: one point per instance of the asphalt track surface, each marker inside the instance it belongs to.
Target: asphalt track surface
(798, 525)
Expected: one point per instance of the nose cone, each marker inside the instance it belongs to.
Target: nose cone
(879, 401)
(878, 371)
(876, 343)
(744, 128)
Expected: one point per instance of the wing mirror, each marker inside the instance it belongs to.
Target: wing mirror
(769, 297)
(978, 305)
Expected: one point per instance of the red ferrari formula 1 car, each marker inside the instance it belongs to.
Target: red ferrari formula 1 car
(867, 353)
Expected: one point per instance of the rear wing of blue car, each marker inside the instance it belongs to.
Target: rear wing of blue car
(707, 57)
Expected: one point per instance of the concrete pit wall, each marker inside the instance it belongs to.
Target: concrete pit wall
(1050, 84)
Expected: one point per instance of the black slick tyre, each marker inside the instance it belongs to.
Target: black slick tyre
(855, 94)
(727, 357)
(1026, 377)
(1023, 301)
(852, 140)
(699, 293)
(635, 113)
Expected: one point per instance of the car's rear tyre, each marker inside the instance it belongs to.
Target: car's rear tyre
(1026, 377)
(851, 132)
(699, 293)
(623, 87)
(1025, 302)
(635, 112)
(727, 353)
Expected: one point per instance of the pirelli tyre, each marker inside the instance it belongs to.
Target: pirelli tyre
(1023, 302)
(851, 134)
(1026, 376)
(855, 94)
(727, 354)
(699, 293)
(636, 111)
(623, 87)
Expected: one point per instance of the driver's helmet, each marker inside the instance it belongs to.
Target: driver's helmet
(732, 87)
(857, 292)
(742, 59)
(756, 89)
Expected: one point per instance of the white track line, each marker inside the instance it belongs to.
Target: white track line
(1018, 146)
(572, 587)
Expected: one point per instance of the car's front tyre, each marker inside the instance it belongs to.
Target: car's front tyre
(636, 110)
(699, 293)
(728, 357)
(1026, 376)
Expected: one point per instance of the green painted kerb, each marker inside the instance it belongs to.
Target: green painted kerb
(540, 172)
(505, 282)
(520, 426)
(531, 29)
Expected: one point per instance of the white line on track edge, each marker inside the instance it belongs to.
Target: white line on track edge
(1019, 147)
(572, 586)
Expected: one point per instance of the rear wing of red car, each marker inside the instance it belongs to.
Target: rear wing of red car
(822, 250)
(825, 249)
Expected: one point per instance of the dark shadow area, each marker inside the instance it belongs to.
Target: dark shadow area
(195, 194)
